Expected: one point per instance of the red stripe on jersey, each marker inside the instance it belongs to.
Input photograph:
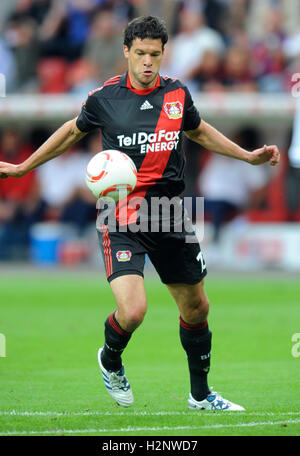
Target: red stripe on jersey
(112, 81)
(104, 251)
(107, 264)
(107, 253)
(113, 78)
(142, 91)
(154, 163)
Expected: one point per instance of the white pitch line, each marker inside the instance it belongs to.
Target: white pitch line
(133, 413)
(157, 429)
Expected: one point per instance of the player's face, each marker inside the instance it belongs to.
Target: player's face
(144, 59)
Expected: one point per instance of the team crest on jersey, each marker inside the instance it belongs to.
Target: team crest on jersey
(123, 255)
(174, 109)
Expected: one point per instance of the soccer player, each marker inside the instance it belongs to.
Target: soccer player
(145, 115)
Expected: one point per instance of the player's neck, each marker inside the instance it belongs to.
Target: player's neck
(138, 86)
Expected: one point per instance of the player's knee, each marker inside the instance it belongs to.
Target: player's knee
(204, 307)
(134, 316)
(197, 310)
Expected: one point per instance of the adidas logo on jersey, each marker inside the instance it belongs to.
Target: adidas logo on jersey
(146, 105)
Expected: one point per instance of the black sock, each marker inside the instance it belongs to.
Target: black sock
(196, 341)
(116, 340)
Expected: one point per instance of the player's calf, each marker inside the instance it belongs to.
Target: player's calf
(116, 340)
(196, 341)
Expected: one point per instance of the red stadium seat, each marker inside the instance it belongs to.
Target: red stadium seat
(52, 75)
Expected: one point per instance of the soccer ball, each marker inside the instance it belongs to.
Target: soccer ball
(111, 174)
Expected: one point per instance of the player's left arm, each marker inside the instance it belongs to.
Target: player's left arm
(211, 139)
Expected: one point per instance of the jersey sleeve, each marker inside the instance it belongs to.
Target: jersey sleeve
(90, 115)
(192, 117)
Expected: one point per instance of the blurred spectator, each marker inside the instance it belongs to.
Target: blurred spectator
(22, 38)
(218, 15)
(185, 51)
(292, 184)
(239, 10)
(123, 10)
(20, 204)
(167, 9)
(291, 46)
(7, 6)
(104, 47)
(7, 65)
(238, 37)
(231, 186)
(31, 9)
(63, 188)
(269, 59)
(208, 74)
(66, 26)
(256, 13)
(237, 71)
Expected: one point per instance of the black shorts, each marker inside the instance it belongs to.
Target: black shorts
(175, 259)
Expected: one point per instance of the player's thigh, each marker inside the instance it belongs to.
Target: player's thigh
(192, 301)
(130, 295)
(122, 253)
(177, 259)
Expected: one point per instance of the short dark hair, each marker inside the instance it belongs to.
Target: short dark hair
(146, 27)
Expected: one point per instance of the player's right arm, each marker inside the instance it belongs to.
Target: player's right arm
(58, 143)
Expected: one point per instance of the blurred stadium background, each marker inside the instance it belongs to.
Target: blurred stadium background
(241, 61)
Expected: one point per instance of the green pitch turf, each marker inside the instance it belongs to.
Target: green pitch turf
(50, 383)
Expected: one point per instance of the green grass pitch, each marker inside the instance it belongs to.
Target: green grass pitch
(50, 382)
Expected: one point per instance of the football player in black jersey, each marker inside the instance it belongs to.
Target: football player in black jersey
(145, 115)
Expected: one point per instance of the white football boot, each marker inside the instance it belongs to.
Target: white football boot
(214, 401)
(116, 384)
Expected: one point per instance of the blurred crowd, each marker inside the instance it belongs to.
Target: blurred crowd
(56, 191)
(73, 46)
(58, 46)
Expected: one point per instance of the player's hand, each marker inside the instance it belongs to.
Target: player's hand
(8, 169)
(265, 154)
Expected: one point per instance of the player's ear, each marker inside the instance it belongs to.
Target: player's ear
(126, 51)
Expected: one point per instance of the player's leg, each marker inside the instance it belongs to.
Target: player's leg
(195, 335)
(131, 303)
(124, 260)
(182, 268)
(130, 296)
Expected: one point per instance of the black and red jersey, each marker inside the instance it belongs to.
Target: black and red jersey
(148, 126)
